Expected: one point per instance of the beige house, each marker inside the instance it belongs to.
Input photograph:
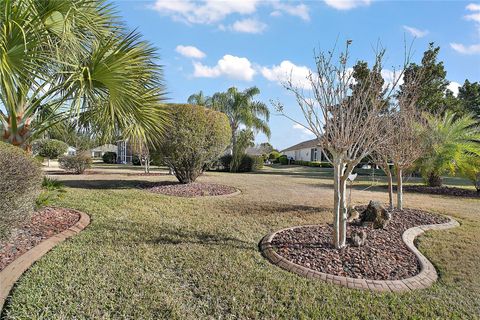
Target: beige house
(305, 151)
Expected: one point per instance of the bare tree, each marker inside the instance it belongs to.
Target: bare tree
(347, 125)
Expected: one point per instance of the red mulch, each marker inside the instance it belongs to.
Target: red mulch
(194, 189)
(384, 256)
(42, 225)
(447, 191)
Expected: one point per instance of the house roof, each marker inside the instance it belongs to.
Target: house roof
(303, 145)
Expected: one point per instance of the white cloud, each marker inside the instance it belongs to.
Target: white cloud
(416, 32)
(469, 49)
(249, 26)
(453, 86)
(190, 52)
(473, 7)
(304, 130)
(205, 12)
(287, 70)
(298, 10)
(391, 77)
(347, 4)
(230, 66)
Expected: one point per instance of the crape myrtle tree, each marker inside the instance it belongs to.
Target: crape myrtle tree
(348, 126)
(77, 60)
(50, 148)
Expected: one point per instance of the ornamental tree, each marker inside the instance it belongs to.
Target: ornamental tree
(196, 138)
(348, 126)
(50, 148)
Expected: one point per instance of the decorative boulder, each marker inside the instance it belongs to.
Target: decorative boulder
(375, 215)
(353, 214)
(359, 237)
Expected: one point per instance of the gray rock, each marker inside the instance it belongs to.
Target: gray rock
(352, 214)
(376, 214)
(359, 237)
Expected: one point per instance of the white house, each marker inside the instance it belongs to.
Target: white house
(99, 151)
(304, 151)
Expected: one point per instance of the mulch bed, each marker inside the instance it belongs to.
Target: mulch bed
(384, 256)
(448, 191)
(194, 189)
(42, 225)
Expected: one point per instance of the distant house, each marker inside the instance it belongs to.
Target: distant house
(305, 151)
(99, 151)
(71, 151)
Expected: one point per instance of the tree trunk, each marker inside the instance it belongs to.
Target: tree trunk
(399, 189)
(48, 162)
(339, 205)
(390, 187)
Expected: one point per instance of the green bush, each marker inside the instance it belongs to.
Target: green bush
(136, 160)
(20, 185)
(247, 164)
(274, 155)
(109, 157)
(198, 136)
(283, 159)
(76, 164)
(225, 161)
(49, 148)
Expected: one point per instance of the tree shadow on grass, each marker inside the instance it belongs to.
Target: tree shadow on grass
(114, 184)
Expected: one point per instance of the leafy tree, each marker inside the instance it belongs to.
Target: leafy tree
(469, 98)
(50, 148)
(244, 140)
(241, 109)
(73, 59)
(434, 83)
(470, 169)
(199, 136)
(450, 141)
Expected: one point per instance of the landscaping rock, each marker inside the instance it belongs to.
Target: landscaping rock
(376, 214)
(353, 214)
(359, 237)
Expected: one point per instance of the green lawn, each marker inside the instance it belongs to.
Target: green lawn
(148, 256)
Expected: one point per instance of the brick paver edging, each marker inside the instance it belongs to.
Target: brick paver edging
(426, 277)
(233, 194)
(16, 268)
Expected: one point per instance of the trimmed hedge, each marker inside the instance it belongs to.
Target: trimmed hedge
(109, 157)
(313, 164)
(283, 159)
(20, 185)
(248, 163)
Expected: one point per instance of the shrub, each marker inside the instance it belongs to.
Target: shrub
(49, 148)
(225, 161)
(283, 159)
(20, 183)
(109, 157)
(470, 169)
(51, 190)
(136, 160)
(273, 155)
(198, 137)
(76, 164)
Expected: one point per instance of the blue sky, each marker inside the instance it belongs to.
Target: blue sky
(212, 45)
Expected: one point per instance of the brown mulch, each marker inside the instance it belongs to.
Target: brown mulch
(194, 189)
(384, 256)
(42, 225)
(447, 191)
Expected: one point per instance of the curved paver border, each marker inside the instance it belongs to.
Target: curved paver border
(16, 268)
(424, 279)
(235, 193)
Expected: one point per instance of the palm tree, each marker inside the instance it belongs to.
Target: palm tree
(450, 143)
(241, 109)
(199, 99)
(73, 59)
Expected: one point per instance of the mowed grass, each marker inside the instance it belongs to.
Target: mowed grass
(148, 256)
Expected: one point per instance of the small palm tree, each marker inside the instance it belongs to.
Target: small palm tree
(241, 109)
(72, 59)
(450, 142)
(199, 99)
